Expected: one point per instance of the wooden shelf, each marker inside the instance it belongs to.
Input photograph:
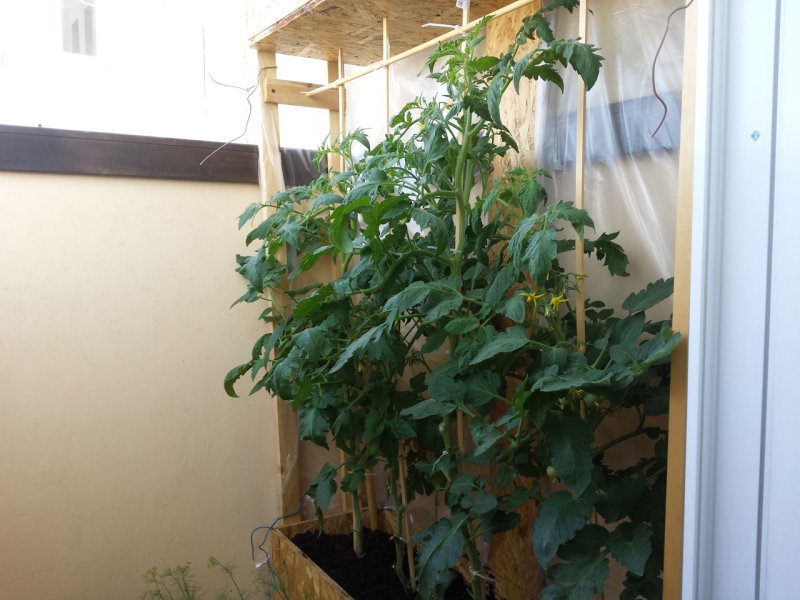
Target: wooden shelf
(319, 28)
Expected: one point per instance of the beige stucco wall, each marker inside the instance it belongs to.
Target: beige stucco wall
(119, 449)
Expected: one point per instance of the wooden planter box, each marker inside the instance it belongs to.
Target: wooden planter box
(302, 577)
(519, 577)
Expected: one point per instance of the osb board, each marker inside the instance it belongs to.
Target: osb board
(516, 109)
(319, 28)
(301, 577)
(517, 574)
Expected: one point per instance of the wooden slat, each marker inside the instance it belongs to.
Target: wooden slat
(676, 453)
(580, 169)
(280, 91)
(298, 573)
(319, 28)
(285, 418)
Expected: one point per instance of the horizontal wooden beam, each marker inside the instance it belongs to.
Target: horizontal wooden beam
(453, 33)
(295, 93)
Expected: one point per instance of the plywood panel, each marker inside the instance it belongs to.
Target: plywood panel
(516, 110)
(320, 27)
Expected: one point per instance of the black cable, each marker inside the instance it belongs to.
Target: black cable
(655, 60)
(269, 529)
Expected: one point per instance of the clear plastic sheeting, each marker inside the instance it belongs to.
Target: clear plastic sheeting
(366, 96)
(631, 174)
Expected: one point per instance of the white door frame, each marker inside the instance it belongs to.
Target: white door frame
(738, 311)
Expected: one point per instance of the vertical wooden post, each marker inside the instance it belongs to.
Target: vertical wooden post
(336, 118)
(272, 182)
(676, 450)
(336, 163)
(580, 168)
(386, 52)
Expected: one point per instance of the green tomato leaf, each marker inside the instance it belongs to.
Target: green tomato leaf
(314, 341)
(462, 325)
(541, 252)
(628, 330)
(504, 342)
(428, 408)
(630, 546)
(493, 96)
(484, 63)
(481, 387)
(484, 436)
(441, 546)
(373, 425)
(410, 296)
(651, 295)
(249, 213)
(233, 376)
(323, 487)
(578, 580)
(352, 481)
(611, 253)
(359, 345)
(582, 57)
(484, 502)
(515, 308)
(560, 517)
(401, 429)
(620, 498)
(569, 440)
(313, 426)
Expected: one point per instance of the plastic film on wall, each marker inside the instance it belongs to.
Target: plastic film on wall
(366, 97)
(631, 163)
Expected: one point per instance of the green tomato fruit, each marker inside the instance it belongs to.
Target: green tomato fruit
(551, 472)
(592, 399)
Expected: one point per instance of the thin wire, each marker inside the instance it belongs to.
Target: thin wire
(250, 92)
(269, 529)
(655, 60)
(230, 85)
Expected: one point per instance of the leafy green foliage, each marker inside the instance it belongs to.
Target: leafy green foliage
(448, 337)
(442, 545)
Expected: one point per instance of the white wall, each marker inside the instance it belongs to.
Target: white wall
(119, 449)
(152, 74)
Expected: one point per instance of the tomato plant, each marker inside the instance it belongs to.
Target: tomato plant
(448, 338)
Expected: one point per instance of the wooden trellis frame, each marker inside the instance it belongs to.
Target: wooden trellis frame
(358, 31)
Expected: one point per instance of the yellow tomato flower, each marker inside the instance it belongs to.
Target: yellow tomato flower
(555, 301)
(532, 297)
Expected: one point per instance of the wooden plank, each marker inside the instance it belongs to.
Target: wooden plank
(285, 418)
(281, 91)
(580, 169)
(676, 452)
(319, 28)
(301, 577)
(516, 109)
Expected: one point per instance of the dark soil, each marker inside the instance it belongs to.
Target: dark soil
(371, 577)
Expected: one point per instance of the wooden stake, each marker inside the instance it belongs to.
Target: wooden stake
(285, 418)
(412, 569)
(676, 449)
(580, 167)
(386, 50)
(336, 118)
